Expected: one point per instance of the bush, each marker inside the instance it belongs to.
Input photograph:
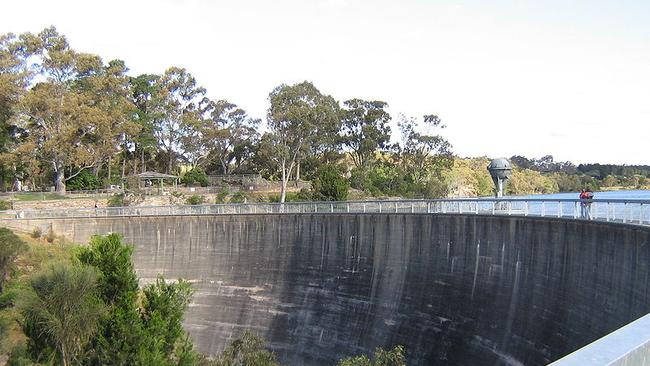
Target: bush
(221, 196)
(10, 246)
(194, 200)
(195, 176)
(5, 205)
(394, 357)
(36, 233)
(330, 185)
(117, 200)
(83, 181)
(238, 197)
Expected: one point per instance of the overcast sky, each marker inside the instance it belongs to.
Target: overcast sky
(567, 78)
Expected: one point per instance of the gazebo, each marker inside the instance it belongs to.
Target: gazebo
(155, 176)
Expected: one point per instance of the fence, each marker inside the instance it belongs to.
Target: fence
(625, 211)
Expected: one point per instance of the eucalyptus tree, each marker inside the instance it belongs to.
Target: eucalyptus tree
(178, 104)
(365, 129)
(15, 74)
(229, 134)
(144, 93)
(300, 120)
(423, 153)
(75, 110)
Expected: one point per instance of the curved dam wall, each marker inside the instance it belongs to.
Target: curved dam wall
(454, 289)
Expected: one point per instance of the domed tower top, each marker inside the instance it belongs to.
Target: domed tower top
(500, 170)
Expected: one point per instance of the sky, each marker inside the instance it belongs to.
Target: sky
(567, 78)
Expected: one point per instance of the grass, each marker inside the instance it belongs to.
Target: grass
(39, 196)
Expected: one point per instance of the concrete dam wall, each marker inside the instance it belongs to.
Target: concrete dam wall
(454, 289)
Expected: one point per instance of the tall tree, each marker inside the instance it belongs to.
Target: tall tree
(15, 74)
(423, 153)
(365, 129)
(229, 133)
(144, 89)
(300, 120)
(178, 105)
(71, 114)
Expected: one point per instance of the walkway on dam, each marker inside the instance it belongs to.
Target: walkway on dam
(623, 211)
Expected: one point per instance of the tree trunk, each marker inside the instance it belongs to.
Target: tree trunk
(59, 180)
(224, 167)
(143, 166)
(285, 178)
(169, 161)
(297, 173)
(110, 161)
(123, 166)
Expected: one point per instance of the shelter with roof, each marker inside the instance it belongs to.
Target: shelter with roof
(152, 179)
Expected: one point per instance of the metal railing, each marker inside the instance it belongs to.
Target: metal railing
(625, 211)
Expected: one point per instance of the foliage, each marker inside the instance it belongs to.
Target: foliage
(526, 181)
(245, 350)
(194, 199)
(117, 200)
(301, 121)
(238, 197)
(5, 205)
(195, 176)
(365, 129)
(221, 196)
(62, 312)
(394, 357)
(10, 246)
(36, 233)
(138, 330)
(330, 185)
(84, 181)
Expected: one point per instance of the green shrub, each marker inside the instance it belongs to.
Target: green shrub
(330, 185)
(195, 176)
(36, 233)
(5, 205)
(238, 197)
(194, 199)
(303, 195)
(117, 200)
(221, 196)
(10, 246)
(84, 181)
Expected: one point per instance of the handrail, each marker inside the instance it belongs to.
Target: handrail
(610, 210)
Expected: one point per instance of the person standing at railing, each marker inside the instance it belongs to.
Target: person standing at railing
(586, 198)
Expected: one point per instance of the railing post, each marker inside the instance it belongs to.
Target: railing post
(379, 207)
(543, 209)
(331, 208)
(411, 207)
(428, 207)
(559, 209)
(625, 212)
